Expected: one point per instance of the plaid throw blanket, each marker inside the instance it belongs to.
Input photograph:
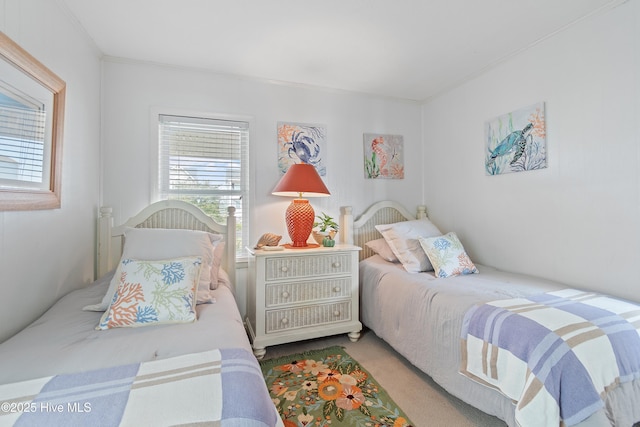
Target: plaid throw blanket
(556, 355)
(214, 388)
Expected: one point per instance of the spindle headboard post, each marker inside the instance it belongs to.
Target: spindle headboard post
(346, 225)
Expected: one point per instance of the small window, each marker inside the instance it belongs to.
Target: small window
(31, 122)
(22, 139)
(204, 161)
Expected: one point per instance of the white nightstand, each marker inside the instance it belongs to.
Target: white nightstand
(298, 294)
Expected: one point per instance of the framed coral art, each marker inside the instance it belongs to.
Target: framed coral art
(383, 156)
(301, 143)
(517, 141)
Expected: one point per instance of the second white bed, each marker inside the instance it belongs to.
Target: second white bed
(421, 317)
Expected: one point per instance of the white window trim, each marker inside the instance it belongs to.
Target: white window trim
(154, 114)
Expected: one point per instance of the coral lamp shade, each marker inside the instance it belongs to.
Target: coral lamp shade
(300, 179)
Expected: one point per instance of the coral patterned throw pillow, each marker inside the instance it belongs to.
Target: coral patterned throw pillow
(154, 292)
(447, 255)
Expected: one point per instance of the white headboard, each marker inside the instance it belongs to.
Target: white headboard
(360, 231)
(164, 214)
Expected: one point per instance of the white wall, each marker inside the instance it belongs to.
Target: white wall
(45, 254)
(131, 90)
(577, 221)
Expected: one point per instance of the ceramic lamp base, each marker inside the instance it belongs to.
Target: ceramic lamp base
(299, 217)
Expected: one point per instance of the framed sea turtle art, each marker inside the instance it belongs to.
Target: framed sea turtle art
(302, 143)
(383, 156)
(517, 141)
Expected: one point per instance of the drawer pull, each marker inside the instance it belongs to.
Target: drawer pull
(284, 269)
(284, 321)
(336, 313)
(285, 294)
(336, 264)
(336, 289)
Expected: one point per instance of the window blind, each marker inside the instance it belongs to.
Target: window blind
(22, 145)
(204, 161)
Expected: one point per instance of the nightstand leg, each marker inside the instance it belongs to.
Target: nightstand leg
(259, 352)
(353, 336)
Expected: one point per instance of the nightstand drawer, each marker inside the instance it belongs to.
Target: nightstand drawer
(290, 267)
(312, 315)
(295, 292)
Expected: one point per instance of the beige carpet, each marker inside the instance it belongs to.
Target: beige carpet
(424, 402)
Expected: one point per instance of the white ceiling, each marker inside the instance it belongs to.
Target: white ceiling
(411, 49)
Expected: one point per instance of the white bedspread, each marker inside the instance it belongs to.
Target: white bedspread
(421, 317)
(64, 339)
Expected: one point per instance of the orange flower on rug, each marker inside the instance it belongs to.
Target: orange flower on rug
(328, 388)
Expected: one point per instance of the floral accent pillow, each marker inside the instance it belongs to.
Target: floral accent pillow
(447, 255)
(153, 292)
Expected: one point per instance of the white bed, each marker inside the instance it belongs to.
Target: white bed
(65, 340)
(421, 316)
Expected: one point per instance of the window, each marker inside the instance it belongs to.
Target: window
(31, 122)
(204, 161)
(22, 139)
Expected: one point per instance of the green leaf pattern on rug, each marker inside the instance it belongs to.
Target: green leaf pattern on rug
(329, 388)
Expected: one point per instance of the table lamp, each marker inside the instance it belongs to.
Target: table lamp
(300, 179)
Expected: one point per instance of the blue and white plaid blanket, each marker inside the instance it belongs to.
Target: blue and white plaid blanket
(213, 388)
(556, 355)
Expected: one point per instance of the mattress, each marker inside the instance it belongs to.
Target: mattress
(64, 339)
(421, 317)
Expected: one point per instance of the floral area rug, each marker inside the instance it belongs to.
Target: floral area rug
(328, 388)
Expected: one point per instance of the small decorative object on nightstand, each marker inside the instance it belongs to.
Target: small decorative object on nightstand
(328, 242)
(324, 230)
(268, 240)
(298, 294)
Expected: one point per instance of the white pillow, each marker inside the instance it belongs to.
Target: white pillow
(160, 243)
(225, 280)
(218, 253)
(447, 255)
(382, 248)
(153, 292)
(402, 238)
